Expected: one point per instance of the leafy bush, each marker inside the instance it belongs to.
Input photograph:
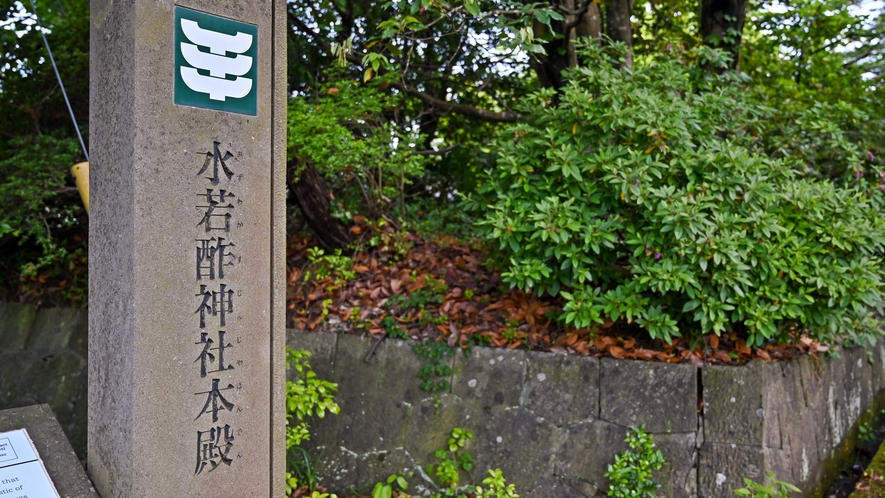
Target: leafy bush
(35, 200)
(631, 474)
(350, 134)
(645, 195)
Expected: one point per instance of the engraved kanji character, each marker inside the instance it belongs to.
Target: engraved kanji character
(215, 402)
(212, 256)
(217, 159)
(216, 303)
(213, 447)
(206, 357)
(216, 215)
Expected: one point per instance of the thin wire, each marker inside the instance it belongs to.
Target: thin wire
(62, 85)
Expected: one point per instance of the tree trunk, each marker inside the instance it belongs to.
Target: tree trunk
(618, 26)
(722, 25)
(549, 66)
(313, 200)
(591, 23)
(560, 52)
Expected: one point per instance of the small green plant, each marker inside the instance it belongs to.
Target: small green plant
(395, 243)
(453, 459)
(305, 397)
(867, 432)
(330, 265)
(778, 489)
(496, 486)
(435, 370)
(385, 489)
(393, 329)
(317, 494)
(326, 303)
(867, 429)
(631, 474)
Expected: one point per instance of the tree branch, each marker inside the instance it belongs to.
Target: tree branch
(436, 152)
(466, 110)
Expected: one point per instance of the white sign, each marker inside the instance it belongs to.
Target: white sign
(216, 62)
(22, 474)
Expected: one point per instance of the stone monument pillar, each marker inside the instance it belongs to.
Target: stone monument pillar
(187, 260)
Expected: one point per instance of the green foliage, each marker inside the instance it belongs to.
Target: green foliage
(867, 426)
(351, 135)
(631, 474)
(778, 489)
(36, 201)
(822, 46)
(819, 62)
(496, 486)
(826, 140)
(510, 32)
(385, 489)
(393, 329)
(330, 265)
(306, 397)
(645, 195)
(453, 458)
(436, 367)
(31, 102)
(317, 494)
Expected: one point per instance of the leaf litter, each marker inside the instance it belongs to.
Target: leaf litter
(440, 290)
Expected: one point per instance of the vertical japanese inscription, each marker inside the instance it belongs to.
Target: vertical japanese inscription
(214, 257)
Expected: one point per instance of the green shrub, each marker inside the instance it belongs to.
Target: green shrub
(36, 201)
(631, 474)
(349, 135)
(645, 195)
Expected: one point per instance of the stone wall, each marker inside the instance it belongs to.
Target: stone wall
(43, 360)
(553, 423)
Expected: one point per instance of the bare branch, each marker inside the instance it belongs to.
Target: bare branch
(466, 110)
(436, 152)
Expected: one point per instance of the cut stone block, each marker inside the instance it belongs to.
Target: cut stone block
(562, 389)
(662, 396)
(678, 475)
(61, 463)
(733, 411)
(587, 450)
(478, 377)
(16, 321)
(54, 330)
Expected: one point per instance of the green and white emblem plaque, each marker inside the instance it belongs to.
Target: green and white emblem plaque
(216, 62)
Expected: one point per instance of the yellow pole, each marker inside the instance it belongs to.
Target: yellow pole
(81, 175)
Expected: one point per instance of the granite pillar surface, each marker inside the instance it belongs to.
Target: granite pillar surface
(187, 234)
